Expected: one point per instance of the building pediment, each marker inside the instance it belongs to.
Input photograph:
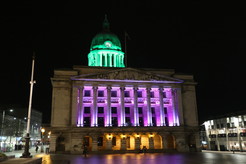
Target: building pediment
(128, 74)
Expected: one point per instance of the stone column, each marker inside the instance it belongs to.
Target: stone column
(121, 60)
(109, 144)
(149, 114)
(136, 117)
(181, 143)
(94, 123)
(122, 106)
(162, 116)
(180, 107)
(164, 141)
(137, 143)
(198, 142)
(123, 144)
(97, 58)
(109, 113)
(174, 106)
(81, 109)
(110, 59)
(151, 143)
(75, 106)
(106, 59)
(53, 138)
(116, 60)
(100, 55)
(94, 146)
(115, 57)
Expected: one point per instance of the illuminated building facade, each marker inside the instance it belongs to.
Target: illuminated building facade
(111, 108)
(226, 133)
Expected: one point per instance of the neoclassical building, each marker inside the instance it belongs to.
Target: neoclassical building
(112, 108)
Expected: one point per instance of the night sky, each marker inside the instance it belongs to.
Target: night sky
(203, 38)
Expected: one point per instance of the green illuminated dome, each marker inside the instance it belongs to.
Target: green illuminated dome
(105, 50)
(99, 41)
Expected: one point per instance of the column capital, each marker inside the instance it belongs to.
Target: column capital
(109, 87)
(94, 87)
(173, 90)
(122, 88)
(148, 88)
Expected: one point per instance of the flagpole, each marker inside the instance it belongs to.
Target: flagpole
(26, 153)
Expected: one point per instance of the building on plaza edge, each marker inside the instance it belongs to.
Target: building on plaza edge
(225, 133)
(111, 108)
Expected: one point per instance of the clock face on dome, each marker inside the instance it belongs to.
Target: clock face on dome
(108, 44)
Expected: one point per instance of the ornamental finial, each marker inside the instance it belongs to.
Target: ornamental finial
(106, 24)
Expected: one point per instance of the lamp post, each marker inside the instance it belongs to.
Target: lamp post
(26, 153)
(2, 127)
(42, 140)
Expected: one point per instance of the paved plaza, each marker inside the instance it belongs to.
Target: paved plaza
(205, 157)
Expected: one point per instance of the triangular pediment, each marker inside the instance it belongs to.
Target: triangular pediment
(128, 74)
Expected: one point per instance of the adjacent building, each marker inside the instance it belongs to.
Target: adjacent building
(13, 127)
(112, 108)
(227, 132)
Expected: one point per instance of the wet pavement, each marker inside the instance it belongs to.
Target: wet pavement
(148, 158)
(206, 157)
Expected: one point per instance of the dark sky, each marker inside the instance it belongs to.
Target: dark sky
(203, 38)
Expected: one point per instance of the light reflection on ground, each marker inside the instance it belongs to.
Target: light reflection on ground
(148, 158)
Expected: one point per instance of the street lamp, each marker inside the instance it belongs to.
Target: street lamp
(42, 140)
(2, 126)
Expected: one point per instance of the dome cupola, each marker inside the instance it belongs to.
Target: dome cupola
(105, 50)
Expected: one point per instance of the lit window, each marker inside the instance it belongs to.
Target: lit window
(227, 119)
(100, 121)
(140, 110)
(87, 93)
(114, 110)
(128, 121)
(222, 125)
(87, 121)
(153, 110)
(127, 94)
(152, 94)
(100, 93)
(87, 110)
(100, 110)
(127, 110)
(139, 93)
(164, 95)
(113, 93)
(165, 110)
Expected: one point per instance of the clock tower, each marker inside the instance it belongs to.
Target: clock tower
(105, 50)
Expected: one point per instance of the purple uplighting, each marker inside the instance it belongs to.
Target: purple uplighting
(100, 106)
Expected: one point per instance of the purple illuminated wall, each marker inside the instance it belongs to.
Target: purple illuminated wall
(87, 97)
